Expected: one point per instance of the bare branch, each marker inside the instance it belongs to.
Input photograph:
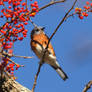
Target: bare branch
(26, 4)
(4, 53)
(64, 18)
(88, 86)
(36, 76)
(25, 57)
(51, 3)
(44, 50)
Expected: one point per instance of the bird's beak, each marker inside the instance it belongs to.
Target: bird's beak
(43, 28)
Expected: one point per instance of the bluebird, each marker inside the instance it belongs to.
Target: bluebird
(39, 41)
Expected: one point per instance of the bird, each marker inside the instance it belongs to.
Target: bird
(39, 41)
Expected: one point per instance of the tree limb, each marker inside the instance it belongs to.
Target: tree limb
(8, 84)
(88, 86)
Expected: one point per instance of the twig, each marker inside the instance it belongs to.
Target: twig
(88, 86)
(26, 4)
(64, 18)
(4, 53)
(40, 65)
(51, 3)
(14, 62)
(22, 56)
(8, 57)
(36, 76)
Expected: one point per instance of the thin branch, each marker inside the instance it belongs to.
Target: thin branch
(4, 53)
(64, 18)
(44, 50)
(51, 3)
(36, 76)
(26, 4)
(39, 68)
(88, 86)
(25, 57)
(14, 62)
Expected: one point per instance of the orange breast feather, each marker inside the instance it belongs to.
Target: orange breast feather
(42, 39)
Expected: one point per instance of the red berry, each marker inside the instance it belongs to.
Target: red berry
(20, 38)
(86, 15)
(12, 69)
(25, 23)
(7, 68)
(10, 7)
(7, 46)
(26, 30)
(85, 7)
(1, 3)
(35, 2)
(34, 9)
(2, 31)
(91, 4)
(9, 2)
(17, 65)
(23, 4)
(11, 43)
(11, 65)
(87, 3)
(81, 17)
(32, 5)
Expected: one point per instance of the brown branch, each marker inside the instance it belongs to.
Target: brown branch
(88, 86)
(40, 65)
(64, 18)
(51, 3)
(8, 84)
(25, 57)
(26, 4)
(36, 76)
(4, 53)
(14, 62)
(44, 50)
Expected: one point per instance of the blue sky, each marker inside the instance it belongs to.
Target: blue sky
(73, 47)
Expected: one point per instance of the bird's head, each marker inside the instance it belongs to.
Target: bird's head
(37, 30)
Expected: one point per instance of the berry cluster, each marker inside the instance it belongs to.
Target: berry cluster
(84, 12)
(10, 68)
(34, 7)
(17, 14)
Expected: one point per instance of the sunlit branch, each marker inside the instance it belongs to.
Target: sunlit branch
(88, 86)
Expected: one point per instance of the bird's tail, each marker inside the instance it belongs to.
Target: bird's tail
(61, 73)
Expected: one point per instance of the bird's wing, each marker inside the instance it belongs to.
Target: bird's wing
(42, 40)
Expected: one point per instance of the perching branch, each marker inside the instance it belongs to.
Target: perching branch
(40, 65)
(36, 76)
(44, 51)
(88, 86)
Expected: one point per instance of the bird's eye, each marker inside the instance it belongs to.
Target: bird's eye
(37, 30)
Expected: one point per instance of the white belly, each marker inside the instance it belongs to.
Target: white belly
(48, 58)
